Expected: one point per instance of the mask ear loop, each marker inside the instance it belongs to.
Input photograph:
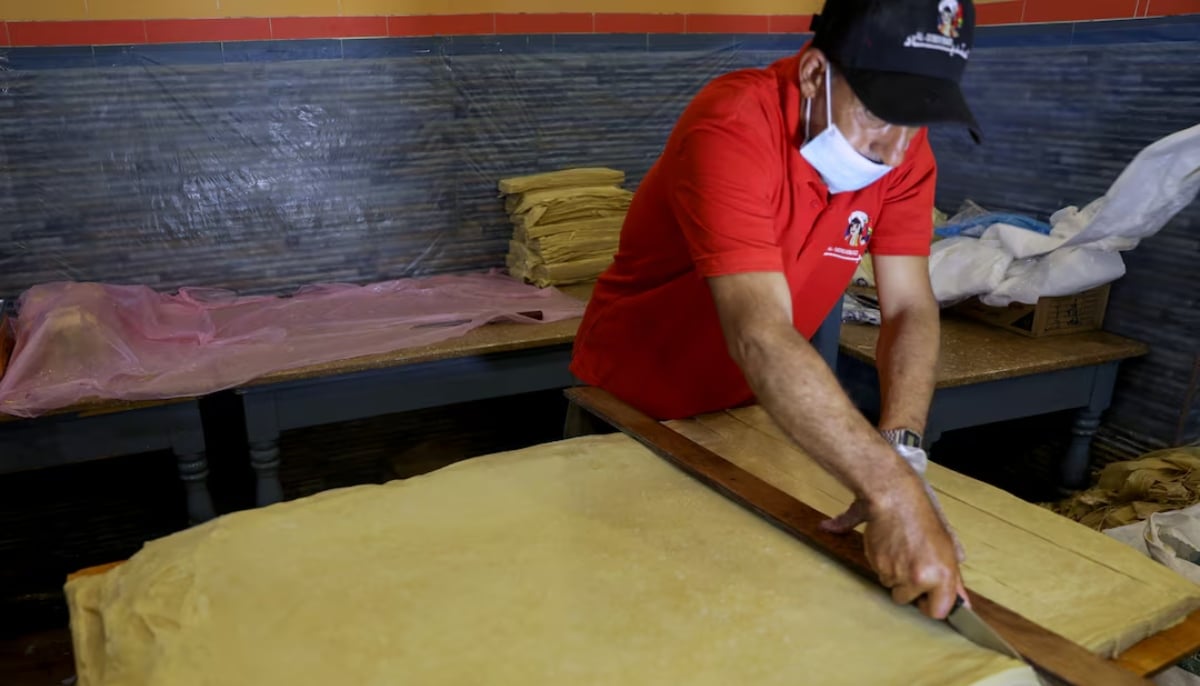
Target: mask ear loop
(828, 107)
(807, 119)
(828, 95)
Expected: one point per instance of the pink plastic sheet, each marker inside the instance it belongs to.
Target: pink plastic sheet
(83, 341)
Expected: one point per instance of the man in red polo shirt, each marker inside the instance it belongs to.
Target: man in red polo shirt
(746, 232)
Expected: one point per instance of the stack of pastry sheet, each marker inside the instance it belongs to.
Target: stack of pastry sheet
(565, 223)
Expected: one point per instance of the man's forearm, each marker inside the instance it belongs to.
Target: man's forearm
(796, 387)
(907, 355)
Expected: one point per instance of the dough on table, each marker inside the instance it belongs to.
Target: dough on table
(588, 561)
(1066, 577)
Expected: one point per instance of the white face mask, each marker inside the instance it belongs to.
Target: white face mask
(843, 168)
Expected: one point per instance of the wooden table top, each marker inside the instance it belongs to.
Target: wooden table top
(973, 352)
(100, 407)
(492, 338)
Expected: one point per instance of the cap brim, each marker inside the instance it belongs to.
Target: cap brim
(912, 100)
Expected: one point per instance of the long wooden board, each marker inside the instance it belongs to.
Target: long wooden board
(1049, 653)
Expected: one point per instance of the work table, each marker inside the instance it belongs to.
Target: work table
(973, 352)
(986, 374)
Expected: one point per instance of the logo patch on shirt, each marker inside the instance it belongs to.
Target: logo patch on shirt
(854, 238)
(858, 229)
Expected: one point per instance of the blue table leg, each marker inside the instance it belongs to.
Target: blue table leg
(264, 459)
(262, 428)
(1075, 464)
(193, 471)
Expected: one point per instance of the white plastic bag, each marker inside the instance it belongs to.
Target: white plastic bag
(1084, 245)
(1065, 271)
(962, 267)
(1161, 180)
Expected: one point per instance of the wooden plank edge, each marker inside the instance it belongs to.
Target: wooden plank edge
(1164, 649)
(1048, 652)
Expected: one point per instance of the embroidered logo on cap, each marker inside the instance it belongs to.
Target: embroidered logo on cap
(950, 23)
(950, 18)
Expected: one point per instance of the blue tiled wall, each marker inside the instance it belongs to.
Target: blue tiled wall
(264, 166)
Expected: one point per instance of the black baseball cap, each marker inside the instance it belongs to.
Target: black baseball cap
(904, 59)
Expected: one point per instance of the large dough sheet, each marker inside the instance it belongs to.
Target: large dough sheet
(581, 562)
(1070, 579)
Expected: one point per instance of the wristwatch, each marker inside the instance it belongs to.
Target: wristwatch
(902, 437)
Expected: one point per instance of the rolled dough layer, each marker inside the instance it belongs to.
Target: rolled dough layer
(588, 561)
(1070, 579)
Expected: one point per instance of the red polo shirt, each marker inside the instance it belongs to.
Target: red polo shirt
(731, 194)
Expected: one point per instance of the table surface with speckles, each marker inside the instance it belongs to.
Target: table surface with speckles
(974, 352)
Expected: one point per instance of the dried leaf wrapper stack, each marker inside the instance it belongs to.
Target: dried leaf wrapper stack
(566, 223)
(1131, 491)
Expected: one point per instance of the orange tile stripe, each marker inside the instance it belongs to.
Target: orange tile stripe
(138, 31)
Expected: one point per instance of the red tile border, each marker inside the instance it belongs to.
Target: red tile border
(441, 25)
(999, 12)
(1156, 8)
(47, 33)
(789, 23)
(728, 23)
(640, 23)
(1078, 10)
(291, 28)
(545, 23)
(206, 30)
(44, 33)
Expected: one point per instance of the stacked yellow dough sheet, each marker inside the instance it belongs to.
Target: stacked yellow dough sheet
(566, 223)
(588, 561)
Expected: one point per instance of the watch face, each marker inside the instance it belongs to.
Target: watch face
(903, 437)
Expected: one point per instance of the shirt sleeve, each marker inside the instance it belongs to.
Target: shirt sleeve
(721, 187)
(905, 225)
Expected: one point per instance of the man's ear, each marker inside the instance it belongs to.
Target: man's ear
(812, 72)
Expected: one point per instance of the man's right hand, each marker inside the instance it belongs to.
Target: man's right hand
(910, 549)
(905, 540)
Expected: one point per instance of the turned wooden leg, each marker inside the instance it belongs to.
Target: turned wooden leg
(193, 470)
(1074, 469)
(1078, 458)
(264, 458)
